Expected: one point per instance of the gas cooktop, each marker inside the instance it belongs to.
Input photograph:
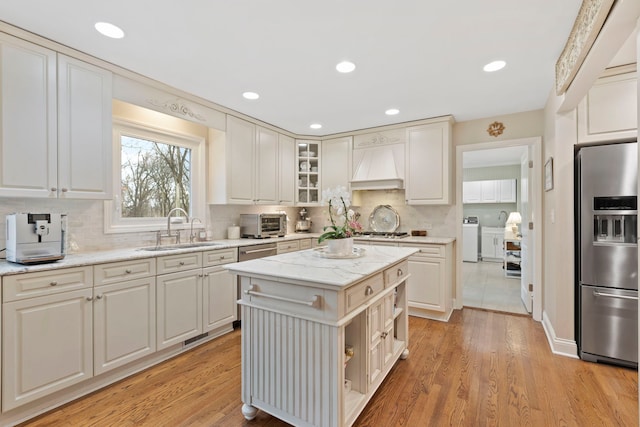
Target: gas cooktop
(385, 234)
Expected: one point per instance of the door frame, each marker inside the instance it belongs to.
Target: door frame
(536, 199)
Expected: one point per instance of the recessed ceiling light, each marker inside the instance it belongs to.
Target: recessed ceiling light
(109, 30)
(316, 126)
(251, 95)
(494, 66)
(346, 67)
(392, 111)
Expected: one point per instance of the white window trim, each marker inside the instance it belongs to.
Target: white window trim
(113, 223)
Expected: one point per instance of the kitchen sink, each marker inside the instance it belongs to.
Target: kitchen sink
(179, 246)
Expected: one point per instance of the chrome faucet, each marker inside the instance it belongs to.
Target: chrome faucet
(191, 235)
(168, 232)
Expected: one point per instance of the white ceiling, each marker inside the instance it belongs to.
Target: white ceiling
(423, 57)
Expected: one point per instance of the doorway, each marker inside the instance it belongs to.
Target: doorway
(506, 276)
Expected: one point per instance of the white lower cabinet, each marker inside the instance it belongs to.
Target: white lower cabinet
(46, 345)
(219, 290)
(124, 327)
(124, 313)
(492, 243)
(219, 298)
(179, 307)
(65, 326)
(430, 287)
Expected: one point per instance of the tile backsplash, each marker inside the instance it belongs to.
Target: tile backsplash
(440, 219)
(85, 218)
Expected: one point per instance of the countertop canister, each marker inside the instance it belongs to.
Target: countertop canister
(233, 232)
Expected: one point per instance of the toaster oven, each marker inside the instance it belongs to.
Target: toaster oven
(260, 226)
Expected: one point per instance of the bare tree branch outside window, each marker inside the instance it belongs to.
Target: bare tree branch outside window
(156, 178)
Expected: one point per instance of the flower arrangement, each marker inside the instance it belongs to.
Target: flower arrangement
(344, 221)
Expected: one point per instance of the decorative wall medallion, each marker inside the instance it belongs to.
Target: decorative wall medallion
(177, 106)
(495, 129)
(585, 29)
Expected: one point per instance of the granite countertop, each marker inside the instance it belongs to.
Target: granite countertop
(100, 257)
(313, 267)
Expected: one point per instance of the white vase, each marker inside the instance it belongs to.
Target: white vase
(340, 247)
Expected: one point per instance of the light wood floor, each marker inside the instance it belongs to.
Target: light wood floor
(481, 368)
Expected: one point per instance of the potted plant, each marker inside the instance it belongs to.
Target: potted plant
(344, 222)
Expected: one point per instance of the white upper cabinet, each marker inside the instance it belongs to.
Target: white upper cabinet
(287, 170)
(308, 166)
(55, 124)
(29, 119)
(241, 137)
(609, 110)
(428, 168)
(489, 191)
(336, 162)
(84, 130)
(250, 164)
(506, 191)
(266, 162)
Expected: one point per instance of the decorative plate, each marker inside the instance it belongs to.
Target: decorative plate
(323, 252)
(384, 219)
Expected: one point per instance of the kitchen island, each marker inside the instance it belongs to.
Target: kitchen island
(319, 334)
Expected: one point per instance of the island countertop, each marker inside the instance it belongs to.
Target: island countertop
(310, 267)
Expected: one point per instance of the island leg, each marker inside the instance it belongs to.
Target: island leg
(404, 354)
(249, 411)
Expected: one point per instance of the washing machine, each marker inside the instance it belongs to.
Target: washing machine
(470, 232)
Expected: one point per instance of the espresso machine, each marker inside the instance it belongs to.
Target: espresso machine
(303, 224)
(34, 238)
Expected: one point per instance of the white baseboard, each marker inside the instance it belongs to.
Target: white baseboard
(559, 346)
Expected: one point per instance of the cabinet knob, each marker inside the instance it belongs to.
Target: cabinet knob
(400, 272)
(128, 271)
(98, 296)
(64, 190)
(54, 283)
(368, 291)
(54, 189)
(89, 299)
(181, 263)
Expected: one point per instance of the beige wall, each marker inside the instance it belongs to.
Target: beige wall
(558, 222)
(517, 125)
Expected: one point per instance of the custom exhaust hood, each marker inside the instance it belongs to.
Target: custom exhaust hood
(378, 168)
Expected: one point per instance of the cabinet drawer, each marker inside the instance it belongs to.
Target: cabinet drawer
(219, 256)
(303, 301)
(284, 247)
(305, 244)
(28, 285)
(428, 250)
(181, 262)
(396, 273)
(104, 274)
(363, 291)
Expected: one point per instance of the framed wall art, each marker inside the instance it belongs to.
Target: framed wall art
(548, 174)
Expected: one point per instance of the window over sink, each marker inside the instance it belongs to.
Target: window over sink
(154, 171)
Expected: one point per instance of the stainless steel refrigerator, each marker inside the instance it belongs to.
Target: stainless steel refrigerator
(607, 253)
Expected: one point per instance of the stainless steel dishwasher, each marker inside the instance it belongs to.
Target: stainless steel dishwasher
(246, 253)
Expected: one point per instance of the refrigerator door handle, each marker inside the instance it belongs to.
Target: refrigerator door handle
(602, 294)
